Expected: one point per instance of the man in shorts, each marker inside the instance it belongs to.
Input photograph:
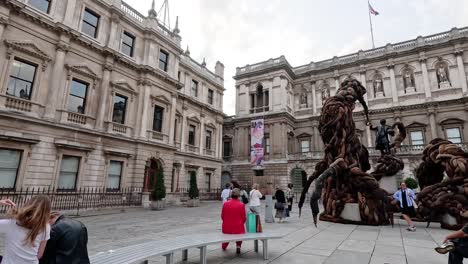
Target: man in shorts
(406, 197)
(457, 244)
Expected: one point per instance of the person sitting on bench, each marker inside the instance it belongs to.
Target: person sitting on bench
(456, 244)
(234, 217)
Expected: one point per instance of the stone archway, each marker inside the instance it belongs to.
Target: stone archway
(225, 178)
(153, 166)
(298, 179)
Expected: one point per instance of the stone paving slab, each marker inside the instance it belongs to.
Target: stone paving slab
(304, 243)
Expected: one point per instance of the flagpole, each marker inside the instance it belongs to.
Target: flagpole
(370, 23)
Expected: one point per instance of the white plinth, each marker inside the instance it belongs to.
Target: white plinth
(444, 85)
(351, 212)
(145, 200)
(448, 219)
(379, 94)
(389, 184)
(410, 89)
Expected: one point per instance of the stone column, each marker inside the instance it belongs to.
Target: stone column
(369, 137)
(362, 75)
(69, 13)
(427, 85)
(316, 135)
(172, 119)
(314, 99)
(111, 42)
(391, 68)
(337, 86)
(183, 131)
(103, 98)
(144, 112)
(432, 122)
(238, 99)
(220, 141)
(202, 133)
(270, 97)
(3, 24)
(461, 70)
(55, 85)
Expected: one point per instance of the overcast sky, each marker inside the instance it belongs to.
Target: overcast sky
(240, 32)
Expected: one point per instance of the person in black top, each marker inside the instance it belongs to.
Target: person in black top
(68, 242)
(280, 205)
(457, 244)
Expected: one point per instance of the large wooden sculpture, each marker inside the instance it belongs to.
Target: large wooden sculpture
(342, 172)
(439, 197)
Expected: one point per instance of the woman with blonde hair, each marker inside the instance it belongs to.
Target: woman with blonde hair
(26, 230)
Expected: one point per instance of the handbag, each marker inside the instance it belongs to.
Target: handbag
(251, 223)
(279, 206)
(259, 224)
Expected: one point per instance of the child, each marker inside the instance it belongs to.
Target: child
(26, 230)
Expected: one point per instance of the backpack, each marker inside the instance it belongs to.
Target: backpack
(244, 197)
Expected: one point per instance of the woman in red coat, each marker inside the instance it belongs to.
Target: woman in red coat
(233, 216)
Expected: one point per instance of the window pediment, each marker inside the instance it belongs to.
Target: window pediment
(66, 144)
(193, 118)
(210, 125)
(161, 98)
(452, 121)
(82, 70)
(416, 125)
(304, 135)
(29, 48)
(123, 85)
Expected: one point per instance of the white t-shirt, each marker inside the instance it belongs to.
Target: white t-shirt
(17, 249)
(255, 196)
(226, 194)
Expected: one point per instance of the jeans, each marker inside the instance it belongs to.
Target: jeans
(290, 203)
(460, 251)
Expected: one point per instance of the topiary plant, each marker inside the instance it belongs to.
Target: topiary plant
(193, 191)
(411, 183)
(159, 191)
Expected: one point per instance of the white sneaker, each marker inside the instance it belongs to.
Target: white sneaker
(411, 229)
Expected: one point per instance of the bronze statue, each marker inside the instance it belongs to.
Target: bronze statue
(382, 131)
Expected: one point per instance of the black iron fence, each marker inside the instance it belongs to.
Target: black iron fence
(205, 194)
(76, 200)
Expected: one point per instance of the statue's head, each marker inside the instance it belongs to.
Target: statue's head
(383, 121)
(356, 85)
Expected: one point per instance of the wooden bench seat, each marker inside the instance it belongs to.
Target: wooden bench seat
(140, 253)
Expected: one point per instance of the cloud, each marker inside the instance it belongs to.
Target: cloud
(244, 32)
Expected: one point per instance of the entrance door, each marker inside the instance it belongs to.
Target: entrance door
(225, 178)
(151, 172)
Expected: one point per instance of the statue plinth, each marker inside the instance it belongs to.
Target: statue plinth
(410, 90)
(444, 85)
(379, 94)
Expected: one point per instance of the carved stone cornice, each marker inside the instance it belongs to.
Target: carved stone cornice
(29, 48)
(4, 21)
(458, 52)
(62, 46)
(144, 81)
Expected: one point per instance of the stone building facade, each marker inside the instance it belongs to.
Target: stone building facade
(420, 82)
(95, 94)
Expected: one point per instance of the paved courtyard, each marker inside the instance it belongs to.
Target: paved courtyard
(329, 243)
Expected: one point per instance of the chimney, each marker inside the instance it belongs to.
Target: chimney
(219, 69)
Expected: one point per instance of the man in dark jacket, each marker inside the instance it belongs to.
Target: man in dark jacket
(68, 242)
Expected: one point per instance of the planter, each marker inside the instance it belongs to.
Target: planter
(158, 205)
(193, 202)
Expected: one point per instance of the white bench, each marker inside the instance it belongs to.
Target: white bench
(140, 253)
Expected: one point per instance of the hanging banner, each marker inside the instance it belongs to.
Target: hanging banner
(256, 143)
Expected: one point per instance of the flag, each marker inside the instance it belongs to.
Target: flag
(373, 11)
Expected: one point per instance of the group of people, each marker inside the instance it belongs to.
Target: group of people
(34, 234)
(235, 199)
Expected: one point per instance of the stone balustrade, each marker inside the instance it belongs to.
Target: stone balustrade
(18, 104)
(455, 33)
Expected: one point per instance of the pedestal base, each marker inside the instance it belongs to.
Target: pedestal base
(444, 85)
(351, 212)
(145, 200)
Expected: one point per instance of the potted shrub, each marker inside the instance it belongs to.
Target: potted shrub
(194, 194)
(159, 192)
(411, 183)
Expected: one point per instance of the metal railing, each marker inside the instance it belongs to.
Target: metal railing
(76, 200)
(205, 194)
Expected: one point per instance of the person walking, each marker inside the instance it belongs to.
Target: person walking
(244, 196)
(226, 193)
(406, 198)
(255, 196)
(456, 244)
(233, 217)
(68, 241)
(280, 205)
(26, 230)
(290, 197)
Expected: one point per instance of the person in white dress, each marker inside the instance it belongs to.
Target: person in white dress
(26, 230)
(255, 196)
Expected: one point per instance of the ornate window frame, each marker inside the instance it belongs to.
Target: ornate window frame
(85, 74)
(453, 123)
(123, 88)
(163, 102)
(30, 52)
